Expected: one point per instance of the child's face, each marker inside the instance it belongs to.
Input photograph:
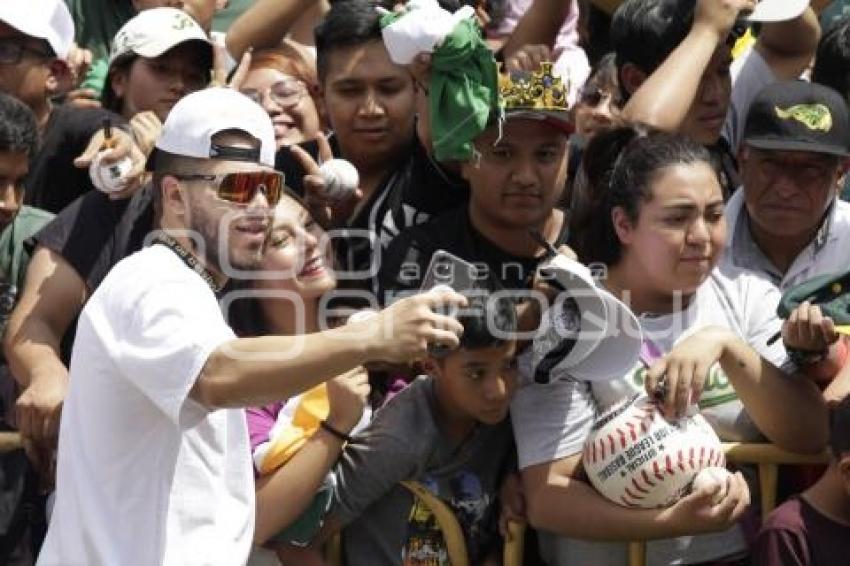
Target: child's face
(13, 169)
(479, 383)
(519, 178)
(370, 104)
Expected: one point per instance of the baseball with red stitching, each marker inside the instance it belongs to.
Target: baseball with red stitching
(637, 458)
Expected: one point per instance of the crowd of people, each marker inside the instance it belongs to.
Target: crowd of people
(232, 356)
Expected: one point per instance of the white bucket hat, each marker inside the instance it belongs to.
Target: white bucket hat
(153, 32)
(588, 334)
(49, 20)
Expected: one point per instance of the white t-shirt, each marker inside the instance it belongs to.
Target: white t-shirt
(750, 74)
(146, 475)
(551, 421)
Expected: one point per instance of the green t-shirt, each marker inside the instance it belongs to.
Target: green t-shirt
(97, 21)
(234, 9)
(15, 256)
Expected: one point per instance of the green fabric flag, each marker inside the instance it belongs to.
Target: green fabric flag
(464, 91)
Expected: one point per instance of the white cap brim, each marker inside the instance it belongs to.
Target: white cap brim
(777, 10)
(49, 20)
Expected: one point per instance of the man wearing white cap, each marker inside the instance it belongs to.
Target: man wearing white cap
(154, 465)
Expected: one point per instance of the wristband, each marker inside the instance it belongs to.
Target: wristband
(334, 432)
(807, 357)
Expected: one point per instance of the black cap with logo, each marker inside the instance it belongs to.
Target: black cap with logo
(798, 116)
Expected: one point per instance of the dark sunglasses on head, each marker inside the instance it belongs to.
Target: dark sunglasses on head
(241, 187)
(12, 51)
(592, 95)
(286, 93)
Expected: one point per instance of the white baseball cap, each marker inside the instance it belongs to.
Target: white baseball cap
(49, 20)
(588, 334)
(197, 117)
(153, 32)
(777, 10)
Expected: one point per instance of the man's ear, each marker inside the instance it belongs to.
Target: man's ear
(59, 79)
(174, 199)
(631, 78)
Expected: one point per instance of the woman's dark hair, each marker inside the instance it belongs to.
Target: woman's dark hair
(246, 316)
(617, 170)
(108, 99)
(832, 61)
(111, 101)
(347, 24)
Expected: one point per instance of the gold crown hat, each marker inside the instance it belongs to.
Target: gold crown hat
(537, 95)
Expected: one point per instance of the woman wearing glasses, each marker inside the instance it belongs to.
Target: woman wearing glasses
(284, 83)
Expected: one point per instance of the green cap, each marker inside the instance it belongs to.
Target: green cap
(830, 292)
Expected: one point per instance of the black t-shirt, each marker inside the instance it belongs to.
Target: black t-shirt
(413, 192)
(53, 181)
(94, 233)
(406, 261)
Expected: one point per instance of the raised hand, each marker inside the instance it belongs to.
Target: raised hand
(402, 332)
(347, 396)
(326, 210)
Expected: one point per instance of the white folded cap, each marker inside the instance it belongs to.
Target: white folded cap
(588, 334)
(197, 117)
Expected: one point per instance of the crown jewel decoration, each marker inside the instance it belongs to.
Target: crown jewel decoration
(541, 90)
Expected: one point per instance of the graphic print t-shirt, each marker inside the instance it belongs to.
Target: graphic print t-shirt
(385, 523)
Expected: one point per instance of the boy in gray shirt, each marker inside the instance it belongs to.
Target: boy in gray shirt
(449, 431)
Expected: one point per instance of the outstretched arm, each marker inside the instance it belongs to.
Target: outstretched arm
(789, 47)
(267, 22)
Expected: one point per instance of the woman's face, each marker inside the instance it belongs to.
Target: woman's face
(157, 84)
(598, 107)
(298, 253)
(680, 231)
(287, 102)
